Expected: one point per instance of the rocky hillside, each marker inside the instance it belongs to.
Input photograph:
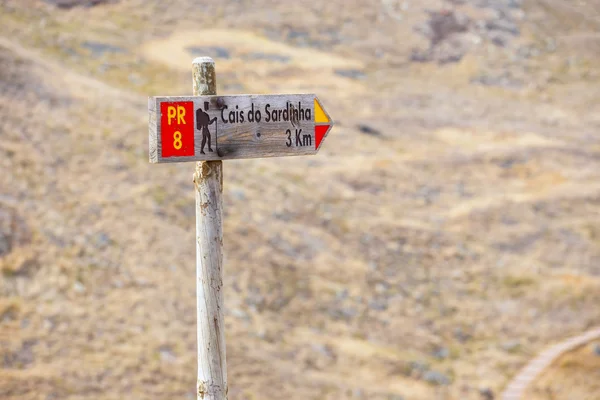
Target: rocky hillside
(446, 232)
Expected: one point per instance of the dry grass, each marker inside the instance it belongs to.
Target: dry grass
(575, 375)
(459, 240)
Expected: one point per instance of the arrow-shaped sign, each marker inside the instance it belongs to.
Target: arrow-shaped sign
(228, 127)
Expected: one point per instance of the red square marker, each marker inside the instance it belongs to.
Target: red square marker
(177, 128)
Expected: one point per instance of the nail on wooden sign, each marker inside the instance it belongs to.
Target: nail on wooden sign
(197, 128)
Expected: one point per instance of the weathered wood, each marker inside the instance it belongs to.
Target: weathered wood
(208, 180)
(152, 132)
(243, 126)
(210, 128)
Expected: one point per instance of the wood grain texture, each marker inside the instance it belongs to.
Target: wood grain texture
(152, 132)
(272, 136)
(208, 181)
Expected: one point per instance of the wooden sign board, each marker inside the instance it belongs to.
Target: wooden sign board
(197, 128)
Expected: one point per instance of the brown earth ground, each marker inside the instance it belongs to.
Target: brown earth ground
(576, 375)
(448, 230)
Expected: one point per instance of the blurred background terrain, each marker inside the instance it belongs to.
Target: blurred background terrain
(447, 231)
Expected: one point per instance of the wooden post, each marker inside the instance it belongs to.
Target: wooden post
(179, 130)
(208, 180)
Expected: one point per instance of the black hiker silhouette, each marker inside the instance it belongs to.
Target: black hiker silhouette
(202, 122)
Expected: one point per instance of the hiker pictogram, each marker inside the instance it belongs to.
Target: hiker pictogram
(202, 122)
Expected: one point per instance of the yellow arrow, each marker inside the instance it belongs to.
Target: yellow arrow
(320, 115)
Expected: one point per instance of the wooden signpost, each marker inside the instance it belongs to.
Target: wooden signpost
(228, 127)
(210, 128)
